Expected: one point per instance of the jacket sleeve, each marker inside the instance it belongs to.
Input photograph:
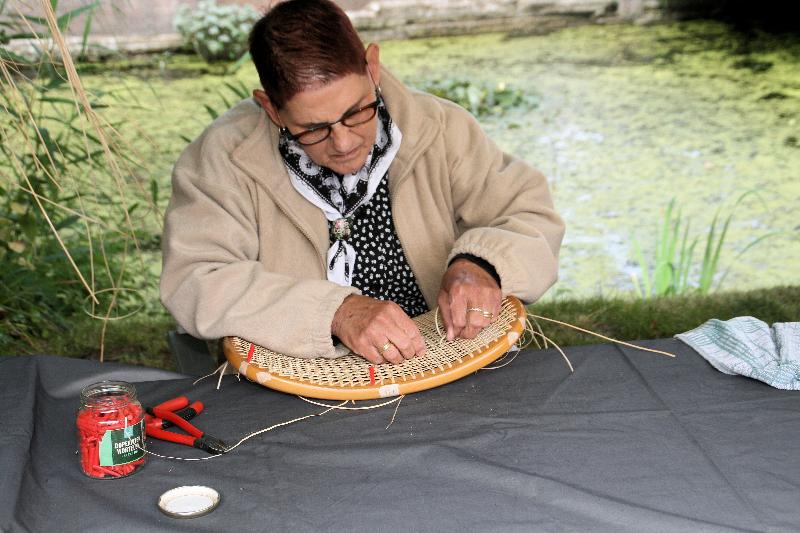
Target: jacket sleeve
(503, 209)
(212, 281)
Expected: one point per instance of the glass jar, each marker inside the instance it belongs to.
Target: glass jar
(111, 432)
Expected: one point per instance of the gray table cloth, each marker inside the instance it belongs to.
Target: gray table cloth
(631, 441)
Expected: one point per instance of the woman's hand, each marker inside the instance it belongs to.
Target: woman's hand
(377, 330)
(469, 299)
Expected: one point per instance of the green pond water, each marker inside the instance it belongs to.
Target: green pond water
(628, 118)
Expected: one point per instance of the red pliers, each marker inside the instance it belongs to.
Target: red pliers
(178, 412)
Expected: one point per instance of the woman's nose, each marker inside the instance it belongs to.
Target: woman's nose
(342, 138)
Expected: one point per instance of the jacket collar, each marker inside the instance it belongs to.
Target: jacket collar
(413, 117)
(258, 156)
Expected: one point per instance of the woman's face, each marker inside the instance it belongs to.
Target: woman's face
(346, 149)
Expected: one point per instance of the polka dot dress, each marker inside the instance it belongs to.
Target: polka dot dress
(364, 222)
(382, 270)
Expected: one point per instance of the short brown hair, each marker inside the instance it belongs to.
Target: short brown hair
(303, 43)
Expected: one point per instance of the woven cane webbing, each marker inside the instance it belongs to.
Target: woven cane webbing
(353, 377)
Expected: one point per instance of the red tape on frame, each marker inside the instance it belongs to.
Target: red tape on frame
(251, 352)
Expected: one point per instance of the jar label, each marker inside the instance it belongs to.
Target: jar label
(122, 446)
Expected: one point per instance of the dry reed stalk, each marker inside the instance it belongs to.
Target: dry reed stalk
(24, 131)
(81, 97)
(101, 128)
(80, 214)
(9, 80)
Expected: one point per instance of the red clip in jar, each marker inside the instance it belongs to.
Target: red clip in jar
(111, 432)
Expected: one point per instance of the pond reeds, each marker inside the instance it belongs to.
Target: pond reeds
(68, 240)
(672, 266)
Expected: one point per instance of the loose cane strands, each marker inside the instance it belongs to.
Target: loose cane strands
(609, 339)
(394, 414)
(220, 370)
(535, 322)
(557, 347)
(329, 409)
(530, 321)
(513, 352)
(341, 407)
(524, 343)
(352, 377)
(384, 404)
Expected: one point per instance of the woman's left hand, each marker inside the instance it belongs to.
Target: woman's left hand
(469, 299)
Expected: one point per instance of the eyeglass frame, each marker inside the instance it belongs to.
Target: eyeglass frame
(374, 106)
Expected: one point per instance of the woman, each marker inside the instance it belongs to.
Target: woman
(337, 203)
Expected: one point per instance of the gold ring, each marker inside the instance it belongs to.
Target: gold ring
(486, 314)
(386, 346)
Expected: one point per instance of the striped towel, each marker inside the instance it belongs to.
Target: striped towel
(748, 346)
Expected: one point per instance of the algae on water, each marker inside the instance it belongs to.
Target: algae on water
(628, 117)
(631, 116)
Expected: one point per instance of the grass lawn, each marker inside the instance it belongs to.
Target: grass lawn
(142, 340)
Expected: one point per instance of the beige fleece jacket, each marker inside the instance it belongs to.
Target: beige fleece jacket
(244, 253)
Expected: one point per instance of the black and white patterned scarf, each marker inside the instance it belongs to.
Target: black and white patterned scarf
(340, 196)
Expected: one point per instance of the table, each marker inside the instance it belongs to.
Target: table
(629, 441)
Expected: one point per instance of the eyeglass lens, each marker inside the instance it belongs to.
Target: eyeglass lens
(356, 118)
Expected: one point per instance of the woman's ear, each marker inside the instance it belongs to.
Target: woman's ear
(374, 63)
(264, 101)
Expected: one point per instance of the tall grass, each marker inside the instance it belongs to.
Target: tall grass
(673, 269)
(69, 241)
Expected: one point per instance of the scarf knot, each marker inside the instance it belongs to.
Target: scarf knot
(341, 229)
(340, 197)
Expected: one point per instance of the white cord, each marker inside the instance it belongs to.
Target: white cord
(250, 436)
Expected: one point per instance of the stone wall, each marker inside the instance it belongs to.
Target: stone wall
(416, 18)
(147, 17)
(146, 25)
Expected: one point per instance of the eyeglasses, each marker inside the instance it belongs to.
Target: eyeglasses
(351, 119)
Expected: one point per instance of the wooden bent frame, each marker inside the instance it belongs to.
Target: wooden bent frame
(352, 377)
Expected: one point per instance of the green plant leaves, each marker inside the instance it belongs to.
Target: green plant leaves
(480, 98)
(216, 33)
(672, 265)
(237, 90)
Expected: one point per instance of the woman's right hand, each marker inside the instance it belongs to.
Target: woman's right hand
(366, 326)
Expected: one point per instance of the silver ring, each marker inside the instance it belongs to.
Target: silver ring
(486, 314)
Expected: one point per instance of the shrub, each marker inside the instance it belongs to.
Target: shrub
(479, 98)
(216, 33)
